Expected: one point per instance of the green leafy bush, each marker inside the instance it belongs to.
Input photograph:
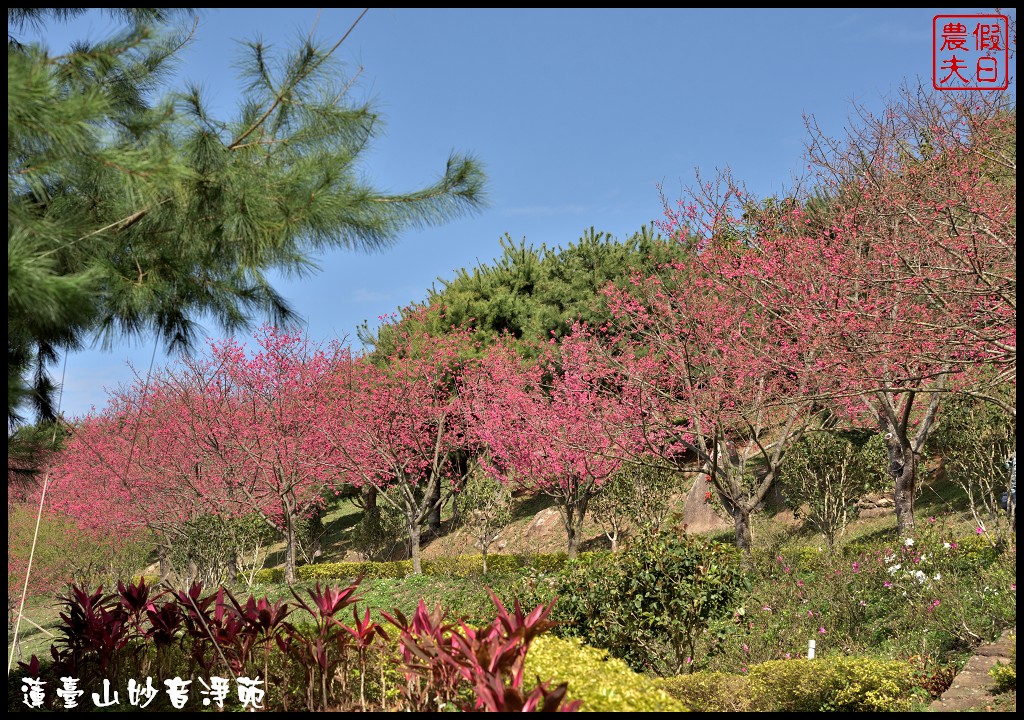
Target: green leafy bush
(1005, 677)
(603, 684)
(649, 604)
(825, 473)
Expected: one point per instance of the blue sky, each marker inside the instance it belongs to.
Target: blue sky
(576, 115)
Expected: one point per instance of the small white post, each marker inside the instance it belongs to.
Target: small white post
(810, 649)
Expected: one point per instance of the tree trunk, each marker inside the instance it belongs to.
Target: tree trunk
(573, 538)
(744, 539)
(163, 553)
(434, 511)
(368, 498)
(291, 538)
(572, 516)
(414, 546)
(903, 468)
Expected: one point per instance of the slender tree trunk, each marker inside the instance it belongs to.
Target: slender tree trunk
(572, 535)
(368, 498)
(903, 468)
(894, 423)
(612, 532)
(572, 516)
(744, 539)
(163, 553)
(291, 538)
(434, 511)
(414, 545)
(739, 504)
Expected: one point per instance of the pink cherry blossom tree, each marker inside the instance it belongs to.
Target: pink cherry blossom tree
(904, 275)
(231, 433)
(261, 426)
(550, 426)
(712, 382)
(397, 424)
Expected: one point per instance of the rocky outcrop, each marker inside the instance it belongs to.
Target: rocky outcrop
(875, 505)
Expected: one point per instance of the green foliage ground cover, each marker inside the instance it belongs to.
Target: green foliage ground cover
(895, 618)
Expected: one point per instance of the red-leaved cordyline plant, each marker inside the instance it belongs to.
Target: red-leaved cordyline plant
(108, 636)
(327, 649)
(364, 632)
(904, 276)
(431, 682)
(555, 427)
(442, 659)
(219, 635)
(267, 623)
(396, 424)
(30, 668)
(94, 628)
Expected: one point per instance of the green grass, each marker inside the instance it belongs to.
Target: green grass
(38, 628)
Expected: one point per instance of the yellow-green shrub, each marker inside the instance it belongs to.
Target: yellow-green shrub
(975, 551)
(847, 684)
(352, 570)
(462, 566)
(794, 685)
(1005, 676)
(858, 684)
(268, 576)
(711, 691)
(603, 684)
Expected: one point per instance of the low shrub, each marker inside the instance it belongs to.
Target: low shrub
(1005, 676)
(603, 684)
(711, 691)
(462, 566)
(840, 684)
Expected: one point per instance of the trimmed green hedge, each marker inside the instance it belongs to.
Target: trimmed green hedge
(843, 684)
(603, 684)
(461, 566)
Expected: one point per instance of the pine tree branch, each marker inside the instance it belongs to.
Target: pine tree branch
(299, 78)
(122, 224)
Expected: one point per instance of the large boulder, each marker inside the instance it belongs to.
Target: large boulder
(698, 513)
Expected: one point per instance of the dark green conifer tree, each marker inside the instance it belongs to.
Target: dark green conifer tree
(134, 211)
